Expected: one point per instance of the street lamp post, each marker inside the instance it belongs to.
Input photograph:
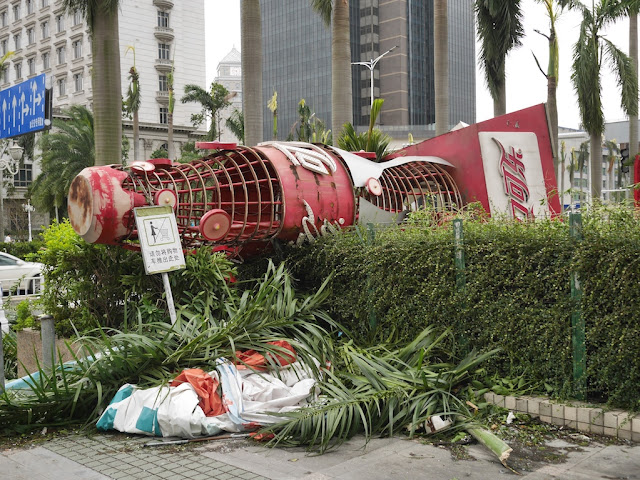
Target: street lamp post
(28, 208)
(371, 64)
(10, 163)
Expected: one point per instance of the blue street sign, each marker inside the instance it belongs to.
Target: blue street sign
(23, 108)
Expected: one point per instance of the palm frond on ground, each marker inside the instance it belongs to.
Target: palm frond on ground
(150, 354)
(381, 390)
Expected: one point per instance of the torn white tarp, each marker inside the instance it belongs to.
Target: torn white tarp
(248, 399)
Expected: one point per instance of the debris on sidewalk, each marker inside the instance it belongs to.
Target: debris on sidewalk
(232, 398)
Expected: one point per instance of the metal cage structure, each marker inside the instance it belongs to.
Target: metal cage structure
(242, 198)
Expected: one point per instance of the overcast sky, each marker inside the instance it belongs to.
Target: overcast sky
(526, 85)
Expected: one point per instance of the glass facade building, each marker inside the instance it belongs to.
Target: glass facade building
(297, 63)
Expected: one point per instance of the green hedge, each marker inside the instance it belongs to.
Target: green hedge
(517, 294)
(23, 250)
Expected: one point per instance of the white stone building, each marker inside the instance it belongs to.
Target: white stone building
(165, 35)
(230, 76)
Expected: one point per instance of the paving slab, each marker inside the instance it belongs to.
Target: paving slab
(382, 458)
(614, 462)
(100, 457)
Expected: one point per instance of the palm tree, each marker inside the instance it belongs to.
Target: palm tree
(251, 55)
(583, 158)
(552, 71)
(633, 9)
(66, 150)
(212, 103)
(132, 103)
(235, 123)
(102, 20)
(590, 53)
(499, 31)
(337, 15)
(441, 54)
(374, 140)
(613, 150)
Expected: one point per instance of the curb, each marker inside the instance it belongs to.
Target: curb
(578, 416)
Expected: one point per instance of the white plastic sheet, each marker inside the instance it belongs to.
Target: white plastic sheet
(250, 399)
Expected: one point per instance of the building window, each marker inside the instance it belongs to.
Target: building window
(164, 51)
(4, 46)
(44, 28)
(62, 86)
(4, 18)
(77, 49)
(5, 75)
(24, 177)
(60, 55)
(77, 18)
(29, 5)
(46, 60)
(31, 65)
(164, 115)
(16, 12)
(31, 36)
(77, 82)
(60, 23)
(44, 3)
(163, 19)
(16, 41)
(163, 83)
(18, 68)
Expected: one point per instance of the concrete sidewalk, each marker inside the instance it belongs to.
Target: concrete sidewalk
(116, 456)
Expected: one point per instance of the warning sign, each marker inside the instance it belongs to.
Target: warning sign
(159, 239)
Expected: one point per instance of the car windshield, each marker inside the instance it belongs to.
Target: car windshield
(7, 261)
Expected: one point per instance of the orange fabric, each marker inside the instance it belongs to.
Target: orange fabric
(257, 361)
(205, 386)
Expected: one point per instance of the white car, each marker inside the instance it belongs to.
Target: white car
(19, 276)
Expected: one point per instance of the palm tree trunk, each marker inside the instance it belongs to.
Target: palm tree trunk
(251, 56)
(441, 54)
(107, 92)
(561, 175)
(171, 151)
(136, 136)
(633, 53)
(341, 108)
(552, 112)
(595, 160)
(610, 183)
(500, 102)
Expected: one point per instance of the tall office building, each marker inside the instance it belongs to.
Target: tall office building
(44, 38)
(297, 62)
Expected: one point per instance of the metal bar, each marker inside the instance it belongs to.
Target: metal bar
(577, 320)
(458, 245)
(167, 291)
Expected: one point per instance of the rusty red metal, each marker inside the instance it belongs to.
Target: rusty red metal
(246, 197)
(241, 198)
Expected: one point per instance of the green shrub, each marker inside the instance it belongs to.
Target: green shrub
(23, 250)
(517, 293)
(89, 285)
(24, 318)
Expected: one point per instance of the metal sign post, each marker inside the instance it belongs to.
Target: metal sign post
(160, 245)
